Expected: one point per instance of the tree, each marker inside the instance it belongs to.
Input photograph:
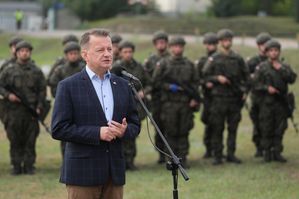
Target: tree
(226, 8)
(95, 9)
(296, 3)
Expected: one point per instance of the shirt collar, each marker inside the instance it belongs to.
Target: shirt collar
(92, 75)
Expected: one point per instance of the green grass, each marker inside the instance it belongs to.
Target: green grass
(195, 24)
(44, 52)
(251, 180)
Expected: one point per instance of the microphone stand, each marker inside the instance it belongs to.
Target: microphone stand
(174, 165)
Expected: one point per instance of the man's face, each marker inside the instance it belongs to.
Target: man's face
(261, 48)
(273, 53)
(161, 45)
(211, 47)
(98, 53)
(226, 43)
(177, 50)
(115, 49)
(13, 50)
(126, 54)
(23, 54)
(72, 56)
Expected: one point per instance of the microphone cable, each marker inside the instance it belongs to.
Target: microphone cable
(147, 126)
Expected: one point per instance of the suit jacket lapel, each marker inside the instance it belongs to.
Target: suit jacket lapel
(92, 93)
(115, 91)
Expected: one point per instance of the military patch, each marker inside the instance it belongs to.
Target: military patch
(158, 65)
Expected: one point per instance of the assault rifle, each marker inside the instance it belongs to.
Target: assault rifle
(288, 99)
(32, 111)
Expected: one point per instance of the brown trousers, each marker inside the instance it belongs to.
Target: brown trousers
(106, 191)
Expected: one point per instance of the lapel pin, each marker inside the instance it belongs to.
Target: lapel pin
(114, 83)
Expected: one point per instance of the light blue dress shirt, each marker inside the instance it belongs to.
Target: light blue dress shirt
(104, 92)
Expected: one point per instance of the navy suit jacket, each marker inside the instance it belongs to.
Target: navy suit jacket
(77, 118)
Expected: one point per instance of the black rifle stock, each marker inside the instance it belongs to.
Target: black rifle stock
(25, 103)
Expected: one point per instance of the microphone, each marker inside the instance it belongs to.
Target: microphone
(129, 75)
(121, 72)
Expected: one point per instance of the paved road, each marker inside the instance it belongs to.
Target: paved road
(247, 41)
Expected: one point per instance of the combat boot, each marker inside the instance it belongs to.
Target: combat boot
(184, 163)
(217, 158)
(161, 159)
(29, 169)
(217, 161)
(130, 166)
(267, 156)
(278, 157)
(258, 153)
(233, 159)
(16, 170)
(208, 154)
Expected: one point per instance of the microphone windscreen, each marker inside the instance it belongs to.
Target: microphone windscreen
(117, 70)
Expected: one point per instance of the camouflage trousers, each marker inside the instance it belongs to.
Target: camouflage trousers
(207, 139)
(22, 131)
(254, 116)
(224, 110)
(130, 150)
(273, 123)
(156, 113)
(2, 110)
(177, 118)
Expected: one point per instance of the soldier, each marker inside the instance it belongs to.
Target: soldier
(61, 60)
(252, 63)
(175, 78)
(210, 42)
(72, 65)
(116, 39)
(226, 75)
(128, 62)
(23, 87)
(12, 45)
(271, 81)
(160, 41)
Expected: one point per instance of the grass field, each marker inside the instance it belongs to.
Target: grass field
(251, 180)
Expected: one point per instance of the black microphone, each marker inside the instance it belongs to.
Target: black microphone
(129, 75)
(121, 72)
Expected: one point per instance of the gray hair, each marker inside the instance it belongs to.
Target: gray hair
(95, 32)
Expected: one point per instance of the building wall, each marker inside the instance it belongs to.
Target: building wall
(32, 15)
(183, 6)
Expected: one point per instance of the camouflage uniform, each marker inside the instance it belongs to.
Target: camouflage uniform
(227, 100)
(136, 69)
(155, 103)
(171, 76)
(252, 63)
(28, 81)
(8, 62)
(61, 60)
(209, 38)
(63, 71)
(273, 109)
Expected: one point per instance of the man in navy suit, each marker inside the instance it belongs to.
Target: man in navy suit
(94, 112)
